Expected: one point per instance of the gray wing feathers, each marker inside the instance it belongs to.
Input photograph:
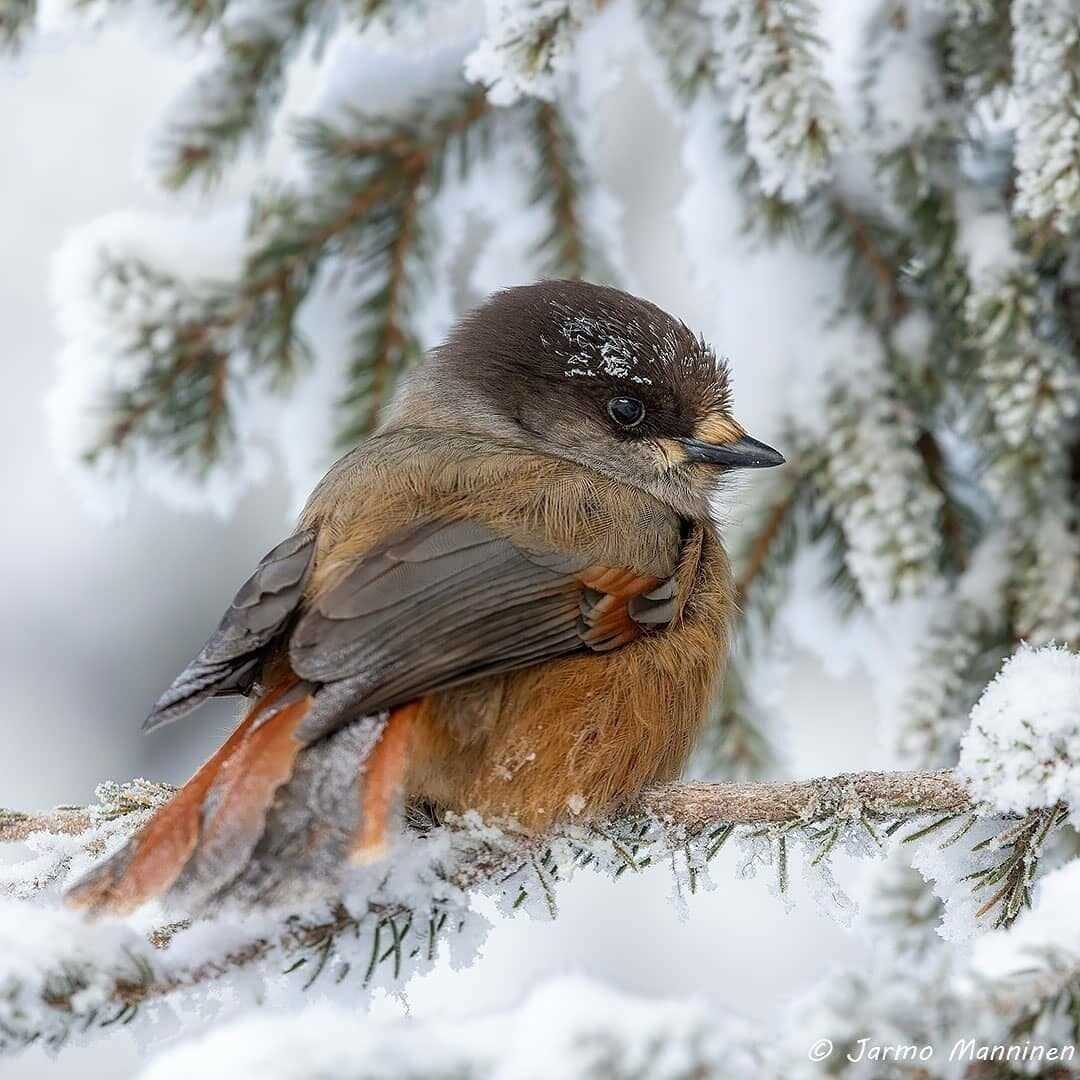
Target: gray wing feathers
(656, 608)
(263, 605)
(442, 604)
(445, 604)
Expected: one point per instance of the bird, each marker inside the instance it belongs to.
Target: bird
(512, 597)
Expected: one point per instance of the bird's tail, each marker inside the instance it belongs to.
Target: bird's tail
(267, 817)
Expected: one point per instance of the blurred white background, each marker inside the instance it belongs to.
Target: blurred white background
(99, 616)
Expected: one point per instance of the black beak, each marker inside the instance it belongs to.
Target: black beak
(744, 453)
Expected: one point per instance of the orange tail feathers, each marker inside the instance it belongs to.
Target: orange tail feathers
(246, 772)
(381, 780)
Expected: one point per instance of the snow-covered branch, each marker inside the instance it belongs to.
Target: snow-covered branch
(394, 916)
(1046, 51)
(779, 96)
(979, 833)
(690, 806)
(60, 975)
(696, 806)
(528, 48)
(880, 490)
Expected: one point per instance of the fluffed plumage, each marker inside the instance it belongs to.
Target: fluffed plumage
(502, 600)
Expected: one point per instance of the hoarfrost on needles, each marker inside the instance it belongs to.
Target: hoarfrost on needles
(118, 317)
(887, 507)
(778, 93)
(947, 863)
(1032, 388)
(905, 95)
(42, 946)
(1051, 926)
(1048, 597)
(1022, 751)
(1046, 38)
(527, 48)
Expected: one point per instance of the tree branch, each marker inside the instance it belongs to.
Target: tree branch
(557, 183)
(888, 794)
(16, 826)
(694, 805)
(377, 923)
(876, 261)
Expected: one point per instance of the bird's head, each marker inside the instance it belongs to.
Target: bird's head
(593, 375)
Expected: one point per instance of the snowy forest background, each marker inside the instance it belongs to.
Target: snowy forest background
(883, 241)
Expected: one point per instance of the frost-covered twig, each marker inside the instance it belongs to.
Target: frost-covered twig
(695, 806)
(232, 97)
(1046, 60)
(961, 649)
(878, 484)
(527, 48)
(557, 183)
(1032, 384)
(868, 260)
(779, 95)
(59, 974)
(15, 826)
(688, 805)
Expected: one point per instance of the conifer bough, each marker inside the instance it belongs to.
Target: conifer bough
(690, 805)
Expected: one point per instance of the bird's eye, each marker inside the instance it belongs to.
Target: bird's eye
(627, 412)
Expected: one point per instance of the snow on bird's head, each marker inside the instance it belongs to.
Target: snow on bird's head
(587, 374)
(595, 341)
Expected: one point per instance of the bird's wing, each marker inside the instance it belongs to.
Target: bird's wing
(440, 603)
(259, 612)
(445, 602)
